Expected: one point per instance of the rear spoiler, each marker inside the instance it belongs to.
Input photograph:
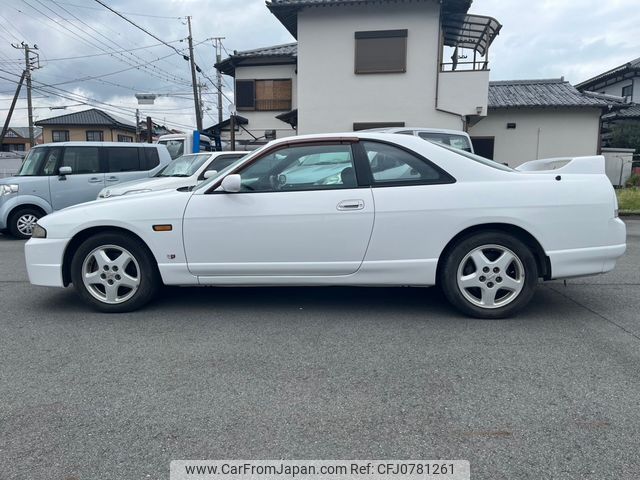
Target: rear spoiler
(588, 165)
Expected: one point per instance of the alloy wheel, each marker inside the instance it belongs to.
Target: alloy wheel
(491, 276)
(111, 274)
(25, 224)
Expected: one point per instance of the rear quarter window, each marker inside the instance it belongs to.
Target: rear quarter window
(150, 158)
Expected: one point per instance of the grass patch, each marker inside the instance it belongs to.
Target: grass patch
(629, 199)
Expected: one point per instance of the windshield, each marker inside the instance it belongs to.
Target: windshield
(175, 147)
(476, 158)
(32, 163)
(456, 141)
(184, 166)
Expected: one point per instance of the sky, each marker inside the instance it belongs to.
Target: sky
(575, 39)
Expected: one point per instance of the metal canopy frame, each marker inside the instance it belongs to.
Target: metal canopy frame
(476, 32)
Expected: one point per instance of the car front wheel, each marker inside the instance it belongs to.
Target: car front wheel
(22, 221)
(114, 273)
(489, 275)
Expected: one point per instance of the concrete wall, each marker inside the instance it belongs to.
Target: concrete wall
(540, 133)
(332, 97)
(261, 121)
(79, 134)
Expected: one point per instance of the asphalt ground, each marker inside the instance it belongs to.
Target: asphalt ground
(320, 373)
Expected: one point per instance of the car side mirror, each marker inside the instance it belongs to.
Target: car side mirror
(210, 173)
(232, 183)
(64, 171)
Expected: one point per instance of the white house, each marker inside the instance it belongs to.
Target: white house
(366, 63)
(533, 119)
(622, 81)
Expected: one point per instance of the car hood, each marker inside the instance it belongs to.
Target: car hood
(131, 212)
(154, 184)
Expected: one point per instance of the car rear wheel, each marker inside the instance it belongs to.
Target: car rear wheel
(22, 221)
(489, 275)
(114, 273)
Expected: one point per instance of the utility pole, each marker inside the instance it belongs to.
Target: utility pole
(27, 69)
(13, 105)
(194, 80)
(137, 124)
(218, 44)
(149, 130)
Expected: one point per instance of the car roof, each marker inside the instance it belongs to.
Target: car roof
(417, 129)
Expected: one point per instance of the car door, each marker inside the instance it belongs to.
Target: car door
(86, 178)
(300, 212)
(124, 164)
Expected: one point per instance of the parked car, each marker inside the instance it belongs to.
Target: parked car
(453, 138)
(401, 212)
(58, 175)
(185, 171)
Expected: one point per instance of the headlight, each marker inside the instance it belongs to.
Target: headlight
(8, 189)
(133, 192)
(38, 232)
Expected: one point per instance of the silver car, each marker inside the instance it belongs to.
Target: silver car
(59, 175)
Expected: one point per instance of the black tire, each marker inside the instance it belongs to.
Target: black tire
(145, 266)
(16, 228)
(464, 302)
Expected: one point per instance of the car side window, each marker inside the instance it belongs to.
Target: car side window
(393, 165)
(222, 162)
(123, 159)
(308, 167)
(82, 160)
(149, 158)
(51, 163)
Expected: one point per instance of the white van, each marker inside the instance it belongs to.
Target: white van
(453, 138)
(180, 144)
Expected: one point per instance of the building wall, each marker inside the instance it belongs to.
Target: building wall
(540, 133)
(332, 97)
(261, 121)
(79, 134)
(616, 88)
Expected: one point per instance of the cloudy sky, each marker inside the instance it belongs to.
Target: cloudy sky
(540, 39)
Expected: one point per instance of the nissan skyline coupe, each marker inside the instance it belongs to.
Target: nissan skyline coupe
(352, 209)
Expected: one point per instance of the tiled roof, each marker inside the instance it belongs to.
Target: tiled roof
(632, 66)
(92, 117)
(544, 93)
(633, 112)
(24, 131)
(287, 53)
(287, 10)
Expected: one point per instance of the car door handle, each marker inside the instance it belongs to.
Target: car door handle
(112, 179)
(351, 205)
(95, 180)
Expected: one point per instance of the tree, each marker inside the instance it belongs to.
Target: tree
(626, 136)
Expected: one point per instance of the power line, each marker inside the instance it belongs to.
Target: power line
(125, 13)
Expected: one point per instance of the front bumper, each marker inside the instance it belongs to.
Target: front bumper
(44, 258)
(581, 262)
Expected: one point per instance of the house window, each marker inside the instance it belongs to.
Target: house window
(125, 138)
(60, 135)
(369, 125)
(382, 51)
(264, 95)
(95, 136)
(627, 91)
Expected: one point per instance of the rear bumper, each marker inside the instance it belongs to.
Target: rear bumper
(590, 261)
(44, 261)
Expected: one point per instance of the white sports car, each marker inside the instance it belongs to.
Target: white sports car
(344, 209)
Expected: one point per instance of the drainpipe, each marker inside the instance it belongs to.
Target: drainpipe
(538, 144)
